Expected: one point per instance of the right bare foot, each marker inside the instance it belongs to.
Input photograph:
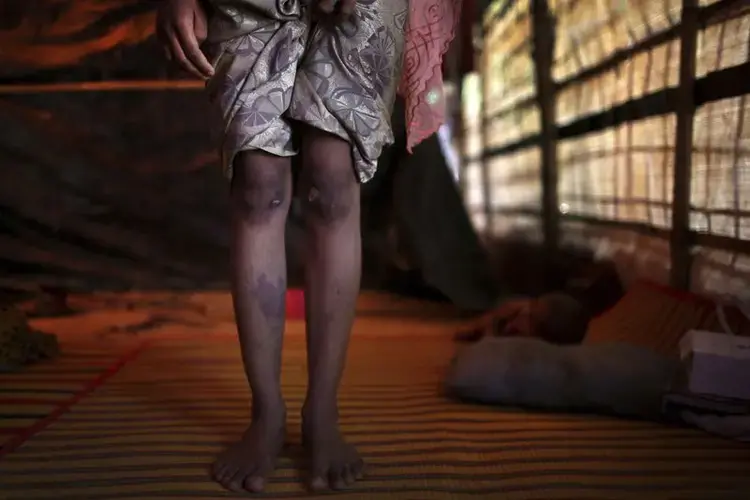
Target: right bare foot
(335, 463)
(247, 464)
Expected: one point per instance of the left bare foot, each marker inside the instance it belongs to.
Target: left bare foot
(334, 463)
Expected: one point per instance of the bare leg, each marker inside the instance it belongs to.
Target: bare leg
(260, 197)
(331, 194)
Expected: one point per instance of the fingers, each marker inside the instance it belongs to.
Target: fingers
(469, 335)
(178, 55)
(343, 9)
(347, 8)
(327, 6)
(482, 322)
(181, 27)
(196, 60)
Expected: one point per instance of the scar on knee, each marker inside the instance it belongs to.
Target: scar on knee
(259, 198)
(329, 204)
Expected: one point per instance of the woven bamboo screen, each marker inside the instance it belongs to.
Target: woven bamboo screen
(512, 180)
(616, 71)
(720, 187)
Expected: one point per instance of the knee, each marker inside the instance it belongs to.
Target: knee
(260, 190)
(330, 195)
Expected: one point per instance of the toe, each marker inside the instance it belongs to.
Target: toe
(348, 475)
(236, 484)
(318, 483)
(219, 470)
(336, 478)
(223, 474)
(318, 473)
(255, 483)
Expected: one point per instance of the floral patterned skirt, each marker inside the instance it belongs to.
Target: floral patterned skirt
(276, 66)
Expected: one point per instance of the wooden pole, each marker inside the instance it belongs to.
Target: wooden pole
(484, 124)
(680, 241)
(543, 27)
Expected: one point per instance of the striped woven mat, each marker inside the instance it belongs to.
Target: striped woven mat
(153, 427)
(32, 399)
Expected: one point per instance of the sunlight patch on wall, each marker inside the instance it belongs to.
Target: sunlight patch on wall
(591, 31)
(644, 74)
(471, 99)
(720, 184)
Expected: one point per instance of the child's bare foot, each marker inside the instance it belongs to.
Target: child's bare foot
(334, 463)
(247, 464)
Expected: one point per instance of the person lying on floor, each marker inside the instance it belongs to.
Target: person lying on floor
(552, 298)
(559, 318)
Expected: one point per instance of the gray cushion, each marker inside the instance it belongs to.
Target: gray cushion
(612, 378)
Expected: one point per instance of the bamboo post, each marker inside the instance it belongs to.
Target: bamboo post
(680, 241)
(484, 124)
(543, 35)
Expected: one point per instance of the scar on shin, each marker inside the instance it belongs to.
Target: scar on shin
(270, 295)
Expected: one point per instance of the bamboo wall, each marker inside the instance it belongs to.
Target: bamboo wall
(621, 116)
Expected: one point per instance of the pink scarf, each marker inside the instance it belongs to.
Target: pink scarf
(432, 25)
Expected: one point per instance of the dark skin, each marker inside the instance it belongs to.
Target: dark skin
(261, 193)
(557, 318)
(513, 318)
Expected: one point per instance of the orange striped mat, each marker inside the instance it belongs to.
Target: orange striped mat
(153, 428)
(32, 399)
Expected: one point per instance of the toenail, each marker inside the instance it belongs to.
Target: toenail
(318, 483)
(255, 484)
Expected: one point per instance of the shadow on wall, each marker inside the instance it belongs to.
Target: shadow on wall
(521, 266)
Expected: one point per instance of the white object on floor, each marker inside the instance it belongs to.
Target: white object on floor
(716, 364)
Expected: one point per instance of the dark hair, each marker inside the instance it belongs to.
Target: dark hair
(565, 319)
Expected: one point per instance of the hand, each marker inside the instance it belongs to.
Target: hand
(487, 324)
(345, 8)
(477, 328)
(181, 27)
